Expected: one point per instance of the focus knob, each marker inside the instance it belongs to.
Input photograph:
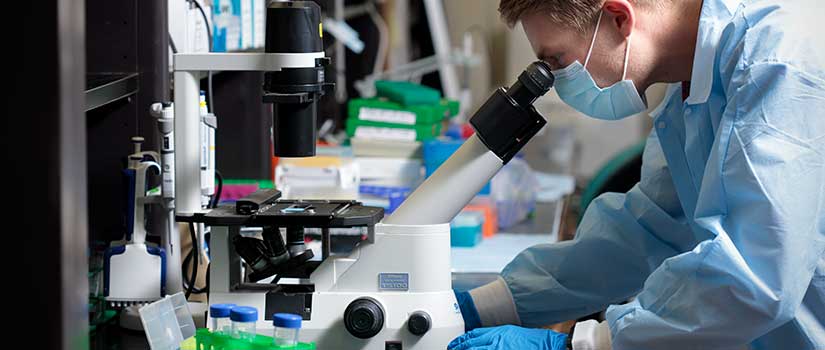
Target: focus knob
(364, 318)
(419, 323)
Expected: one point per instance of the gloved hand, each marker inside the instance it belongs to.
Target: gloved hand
(509, 338)
(468, 310)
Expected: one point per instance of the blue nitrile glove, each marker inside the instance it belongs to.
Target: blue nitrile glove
(468, 310)
(509, 338)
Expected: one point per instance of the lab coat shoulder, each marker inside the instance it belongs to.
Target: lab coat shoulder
(771, 69)
(773, 32)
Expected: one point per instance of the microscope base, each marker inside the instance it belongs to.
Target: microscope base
(326, 327)
(403, 276)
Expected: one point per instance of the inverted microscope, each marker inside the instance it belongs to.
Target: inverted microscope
(393, 290)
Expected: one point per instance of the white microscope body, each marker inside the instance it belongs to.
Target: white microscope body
(394, 290)
(404, 272)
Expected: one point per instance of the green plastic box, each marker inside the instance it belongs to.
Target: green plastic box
(407, 93)
(206, 340)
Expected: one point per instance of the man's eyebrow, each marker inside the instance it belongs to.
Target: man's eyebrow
(544, 55)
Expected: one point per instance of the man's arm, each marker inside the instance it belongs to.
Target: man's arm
(621, 239)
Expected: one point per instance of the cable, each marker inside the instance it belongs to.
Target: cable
(211, 98)
(187, 283)
(194, 252)
(205, 21)
(217, 199)
(206, 287)
(172, 44)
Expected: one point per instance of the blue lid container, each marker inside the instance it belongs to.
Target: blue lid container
(286, 320)
(243, 314)
(220, 310)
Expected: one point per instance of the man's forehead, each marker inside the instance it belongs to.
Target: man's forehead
(543, 40)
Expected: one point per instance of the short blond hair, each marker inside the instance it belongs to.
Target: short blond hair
(578, 14)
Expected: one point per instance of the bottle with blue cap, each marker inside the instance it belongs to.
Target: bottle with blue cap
(286, 329)
(243, 322)
(219, 317)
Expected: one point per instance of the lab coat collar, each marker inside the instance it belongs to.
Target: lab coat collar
(671, 90)
(716, 14)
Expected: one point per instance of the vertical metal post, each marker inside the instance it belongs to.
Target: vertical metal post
(187, 141)
(340, 58)
(72, 173)
(325, 243)
(441, 43)
(221, 250)
(187, 165)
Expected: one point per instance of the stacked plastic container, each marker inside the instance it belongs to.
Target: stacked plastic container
(388, 197)
(402, 111)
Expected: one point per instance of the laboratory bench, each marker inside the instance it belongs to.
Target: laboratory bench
(479, 265)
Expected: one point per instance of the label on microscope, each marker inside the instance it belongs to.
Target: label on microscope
(394, 281)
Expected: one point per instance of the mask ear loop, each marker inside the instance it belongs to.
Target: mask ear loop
(627, 56)
(593, 41)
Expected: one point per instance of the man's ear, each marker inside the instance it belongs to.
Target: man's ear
(621, 14)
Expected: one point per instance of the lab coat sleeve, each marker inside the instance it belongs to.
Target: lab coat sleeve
(620, 240)
(762, 201)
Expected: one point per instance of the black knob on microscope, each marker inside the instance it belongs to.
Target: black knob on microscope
(364, 318)
(419, 323)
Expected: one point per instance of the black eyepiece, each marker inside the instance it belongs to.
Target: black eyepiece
(533, 83)
(508, 120)
(539, 74)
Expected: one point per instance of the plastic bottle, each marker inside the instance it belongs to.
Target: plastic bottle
(286, 329)
(243, 322)
(219, 318)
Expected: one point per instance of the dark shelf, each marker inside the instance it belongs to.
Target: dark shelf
(105, 88)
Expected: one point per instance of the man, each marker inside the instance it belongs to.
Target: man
(721, 245)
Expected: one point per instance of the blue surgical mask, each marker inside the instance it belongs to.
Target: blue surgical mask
(576, 87)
